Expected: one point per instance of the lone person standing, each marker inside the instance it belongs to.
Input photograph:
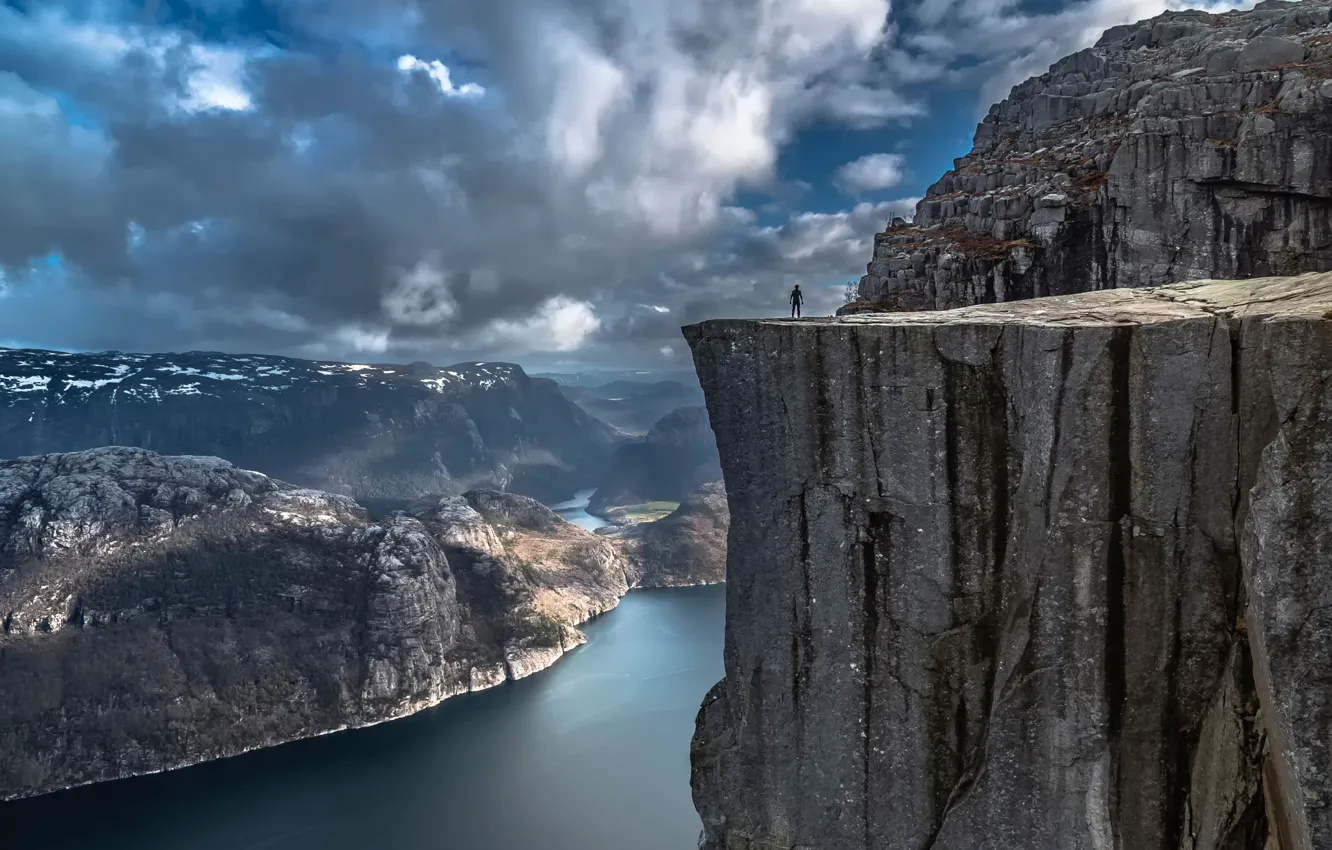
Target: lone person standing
(797, 299)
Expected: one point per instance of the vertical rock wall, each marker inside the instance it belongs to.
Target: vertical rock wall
(1183, 147)
(1046, 575)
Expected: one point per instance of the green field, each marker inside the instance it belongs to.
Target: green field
(647, 511)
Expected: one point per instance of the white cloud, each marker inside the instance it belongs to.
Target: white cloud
(843, 236)
(559, 324)
(420, 297)
(439, 72)
(662, 130)
(217, 80)
(871, 173)
(363, 339)
(667, 351)
(212, 76)
(587, 85)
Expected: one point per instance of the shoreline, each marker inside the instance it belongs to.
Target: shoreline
(503, 667)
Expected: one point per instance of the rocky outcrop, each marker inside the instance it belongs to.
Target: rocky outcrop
(1184, 147)
(1046, 575)
(678, 455)
(382, 434)
(158, 611)
(685, 547)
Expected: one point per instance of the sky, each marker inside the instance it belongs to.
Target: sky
(559, 183)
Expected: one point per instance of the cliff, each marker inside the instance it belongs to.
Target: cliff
(385, 433)
(678, 455)
(1184, 147)
(1048, 575)
(160, 611)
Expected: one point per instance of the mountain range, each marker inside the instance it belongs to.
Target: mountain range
(380, 433)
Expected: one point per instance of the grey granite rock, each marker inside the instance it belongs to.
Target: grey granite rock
(1183, 147)
(157, 611)
(1050, 574)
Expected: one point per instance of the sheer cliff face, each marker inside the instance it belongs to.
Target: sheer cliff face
(1184, 147)
(159, 611)
(387, 433)
(1049, 575)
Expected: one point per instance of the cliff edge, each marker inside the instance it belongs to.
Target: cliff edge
(1187, 146)
(1051, 574)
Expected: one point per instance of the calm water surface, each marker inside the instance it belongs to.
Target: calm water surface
(575, 511)
(592, 754)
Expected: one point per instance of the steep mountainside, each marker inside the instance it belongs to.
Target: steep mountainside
(634, 407)
(685, 547)
(385, 432)
(158, 611)
(678, 455)
(1050, 575)
(1188, 146)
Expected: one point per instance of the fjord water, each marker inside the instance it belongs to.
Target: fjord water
(575, 511)
(592, 754)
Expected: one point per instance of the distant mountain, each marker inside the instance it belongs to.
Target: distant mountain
(678, 455)
(382, 433)
(593, 378)
(686, 547)
(634, 406)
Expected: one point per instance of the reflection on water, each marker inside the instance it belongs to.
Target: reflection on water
(592, 754)
(575, 511)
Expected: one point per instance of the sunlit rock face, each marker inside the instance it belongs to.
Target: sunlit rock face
(157, 611)
(1184, 147)
(1049, 574)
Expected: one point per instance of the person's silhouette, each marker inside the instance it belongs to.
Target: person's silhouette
(797, 300)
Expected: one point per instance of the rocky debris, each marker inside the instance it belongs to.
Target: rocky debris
(157, 611)
(385, 434)
(685, 547)
(678, 455)
(1183, 147)
(1047, 574)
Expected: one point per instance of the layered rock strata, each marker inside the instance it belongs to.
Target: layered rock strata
(1187, 146)
(158, 611)
(1050, 575)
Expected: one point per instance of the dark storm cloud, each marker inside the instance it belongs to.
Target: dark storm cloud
(264, 176)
